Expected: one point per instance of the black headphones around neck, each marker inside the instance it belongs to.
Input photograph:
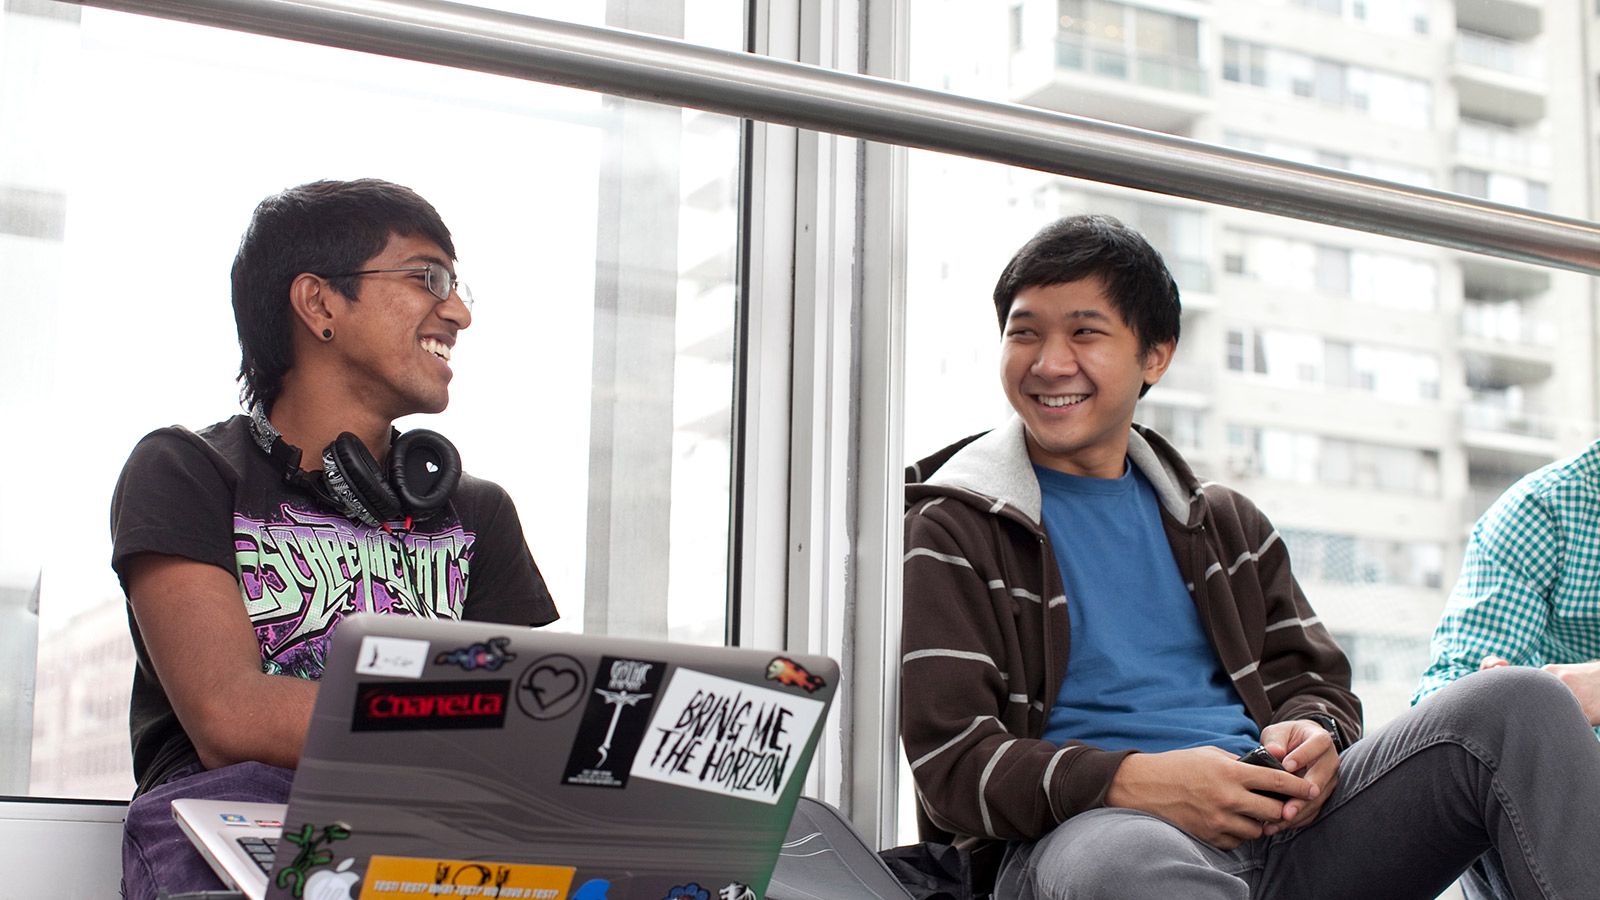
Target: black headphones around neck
(424, 469)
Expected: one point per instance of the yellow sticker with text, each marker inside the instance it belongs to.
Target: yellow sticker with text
(407, 878)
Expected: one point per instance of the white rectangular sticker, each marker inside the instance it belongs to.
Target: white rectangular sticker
(727, 737)
(394, 657)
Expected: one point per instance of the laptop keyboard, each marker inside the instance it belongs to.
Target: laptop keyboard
(262, 850)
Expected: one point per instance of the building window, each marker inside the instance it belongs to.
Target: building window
(1501, 187)
(1384, 96)
(1305, 360)
(1183, 426)
(1118, 40)
(1387, 169)
(1302, 457)
(1321, 556)
(30, 213)
(1364, 276)
(46, 9)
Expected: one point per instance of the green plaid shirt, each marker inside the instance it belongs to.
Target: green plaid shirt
(1529, 589)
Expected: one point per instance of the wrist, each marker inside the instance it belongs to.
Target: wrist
(1330, 725)
(1118, 793)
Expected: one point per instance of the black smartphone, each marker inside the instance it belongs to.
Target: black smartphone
(1261, 756)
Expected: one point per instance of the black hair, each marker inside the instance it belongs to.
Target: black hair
(1136, 279)
(325, 228)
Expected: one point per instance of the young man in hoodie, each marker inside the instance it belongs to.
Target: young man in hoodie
(1094, 637)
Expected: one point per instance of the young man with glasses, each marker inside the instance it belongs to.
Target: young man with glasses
(1111, 676)
(242, 545)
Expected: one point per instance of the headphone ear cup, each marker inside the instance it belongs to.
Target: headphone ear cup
(353, 476)
(424, 469)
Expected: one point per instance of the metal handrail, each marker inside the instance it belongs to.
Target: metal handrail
(757, 87)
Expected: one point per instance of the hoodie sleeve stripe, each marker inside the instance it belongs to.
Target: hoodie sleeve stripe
(934, 554)
(953, 741)
(983, 783)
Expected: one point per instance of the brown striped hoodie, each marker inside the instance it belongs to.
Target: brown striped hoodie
(985, 633)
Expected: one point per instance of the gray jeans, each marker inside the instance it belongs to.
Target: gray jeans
(1502, 760)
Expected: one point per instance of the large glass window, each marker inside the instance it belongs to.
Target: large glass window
(1372, 396)
(595, 383)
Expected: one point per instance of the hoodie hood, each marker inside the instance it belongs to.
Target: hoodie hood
(995, 467)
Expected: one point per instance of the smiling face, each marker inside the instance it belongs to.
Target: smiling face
(1073, 369)
(395, 342)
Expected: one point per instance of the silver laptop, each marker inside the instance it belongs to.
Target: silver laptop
(239, 839)
(460, 759)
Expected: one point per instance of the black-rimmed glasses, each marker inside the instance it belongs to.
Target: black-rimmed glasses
(440, 281)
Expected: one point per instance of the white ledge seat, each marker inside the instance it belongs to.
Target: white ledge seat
(61, 848)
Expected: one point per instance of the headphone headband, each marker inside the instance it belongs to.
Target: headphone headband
(424, 469)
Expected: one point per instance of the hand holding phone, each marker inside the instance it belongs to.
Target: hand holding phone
(1261, 756)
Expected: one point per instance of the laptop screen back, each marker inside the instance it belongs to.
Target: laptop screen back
(473, 760)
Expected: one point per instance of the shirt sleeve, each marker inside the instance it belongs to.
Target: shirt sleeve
(506, 585)
(174, 497)
(1501, 603)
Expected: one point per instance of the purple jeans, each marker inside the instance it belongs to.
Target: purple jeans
(157, 859)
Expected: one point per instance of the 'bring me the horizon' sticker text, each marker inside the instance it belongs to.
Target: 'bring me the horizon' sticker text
(715, 734)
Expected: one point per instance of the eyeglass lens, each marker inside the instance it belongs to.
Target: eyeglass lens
(440, 282)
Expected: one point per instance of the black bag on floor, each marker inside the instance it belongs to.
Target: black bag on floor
(824, 858)
(932, 871)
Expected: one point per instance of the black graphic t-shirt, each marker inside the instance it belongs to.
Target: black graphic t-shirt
(216, 498)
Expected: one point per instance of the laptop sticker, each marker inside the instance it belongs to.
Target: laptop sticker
(488, 655)
(332, 885)
(614, 722)
(234, 819)
(593, 889)
(690, 891)
(736, 891)
(786, 671)
(313, 853)
(430, 705)
(406, 878)
(552, 686)
(727, 737)
(393, 657)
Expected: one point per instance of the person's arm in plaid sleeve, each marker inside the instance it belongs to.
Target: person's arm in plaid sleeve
(1501, 603)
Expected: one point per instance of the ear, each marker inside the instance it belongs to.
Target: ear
(1157, 359)
(308, 298)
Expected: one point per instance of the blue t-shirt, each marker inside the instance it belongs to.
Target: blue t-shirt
(1141, 675)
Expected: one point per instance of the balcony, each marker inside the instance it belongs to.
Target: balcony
(1490, 411)
(1480, 496)
(1194, 280)
(1500, 348)
(1499, 187)
(1487, 145)
(1187, 385)
(1484, 276)
(1505, 436)
(1516, 20)
(1498, 79)
(1113, 83)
